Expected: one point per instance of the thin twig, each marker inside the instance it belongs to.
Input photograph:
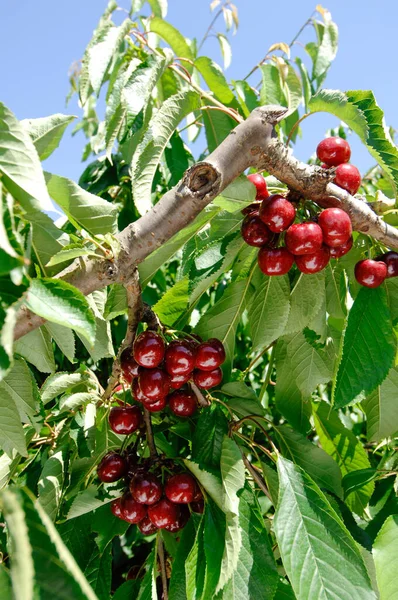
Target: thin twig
(162, 561)
(199, 396)
(259, 480)
(149, 434)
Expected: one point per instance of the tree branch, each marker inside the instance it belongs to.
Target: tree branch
(250, 144)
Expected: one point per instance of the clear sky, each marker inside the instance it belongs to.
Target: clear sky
(39, 41)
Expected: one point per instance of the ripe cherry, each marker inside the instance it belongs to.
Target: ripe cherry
(370, 273)
(333, 151)
(254, 231)
(207, 379)
(198, 506)
(253, 208)
(147, 527)
(278, 213)
(164, 513)
(182, 403)
(137, 392)
(210, 355)
(112, 467)
(275, 261)
(154, 384)
(391, 260)
(341, 250)
(181, 488)
(179, 358)
(198, 494)
(348, 177)
(146, 488)
(336, 227)
(116, 508)
(261, 185)
(148, 349)
(177, 381)
(132, 511)
(313, 263)
(304, 238)
(125, 420)
(129, 365)
(181, 521)
(156, 406)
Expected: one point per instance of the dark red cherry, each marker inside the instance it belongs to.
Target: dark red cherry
(348, 177)
(156, 406)
(341, 250)
(304, 238)
(116, 508)
(210, 355)
(146, 488)
(179, 358)
(132, 511)
(275, 261)
(261, 185)
(198, 506)
(125, 420)
(182, 403)
(164, 513)
(254, 231)
(149, 349)
(112, 467)
(181, 521)
(278, 213)
(198, 494)
(391, 260)
(313, 263)
(129, 365)
(333, 151)
(177, 381)
(251, 209)
(207, 379)
(154, 384)
(181, 488)
(147, 527)
(370, 273)
(336, 227)
(136, 391)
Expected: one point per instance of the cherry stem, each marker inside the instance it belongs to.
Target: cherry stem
(199, 396)
(162, 561)
(297, 123)
(149, 434)
(254, 418)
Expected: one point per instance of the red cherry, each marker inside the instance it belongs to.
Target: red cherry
(164, 513)
(210, 355)
(177, 381)
(112, 467)
(129, 365)
(137, 392)
(148, 349)
(156, 406)
(333, 151)
(132, 511)
(179, 358)
(125, 420)
(278, 213)
(391, 260)
(147, 527)
(275, 261)
(261, 185)
(348, 177)
(181, 521)
(313, 263)
(341, 250)
(182, 404)
(207, 379)
(370, 273)
(254, 231)
(198, 494)
(154, 384)
(336, 227)
(253, 208)
(181, 488)
(116, 508)
(198, 507)
(146, 488)
(304, 238)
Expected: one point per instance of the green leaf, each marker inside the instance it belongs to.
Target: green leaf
(359, 110)
(173, 303)
(210, 429)
(61, 303)
(225, 48)
(177, 589)
(271, 91)
(213, 544)
(327, 49)
(116, 302)
(319, 555)
(369, 347)
(385, 553)
(159, 7)
(381, 408)
(173, 38)
(5, 584)
(50, 484)
(47, 238)
(195, 566)
(313, 460)
(70, 252)
(101, 53)
(46, 132)
(60, 383)
(336, 291)
(148, 154)
(64, 338)
(148, 586)
(214, 78)
(99, 572)
(308, 366)
(218, 126)
(11, 432)
(91, 499)
(21, 386)
(232, 472)
(37, 349)
(346, 450)
(103, 345)
(209, 481)
(355, 480)
(294, 94)
(237, 195)
(20, 166)
(107, 526)
(305, 301)
(177, 155)
(246, 96)
(84, 210)
(269, 310)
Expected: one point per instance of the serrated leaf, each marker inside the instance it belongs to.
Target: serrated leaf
(381, 408)
(368, 347)
(64, 338)
(385, 553)
(173, 38)
(327, 49)
(319, 555)
(116, 302)
(70, 252)
(236, 195)
(91, 499)
(210, 429)
(271, 91)
(195, 566)
(336, 291)
(11, 432)
(99, 572)
(19, 383)
(50, 483)
(59, 383)
(213, 545)
(46, 132)
(37, 349)
(47, 238)
(173, 303)
(232, 472)
(177, 587)
(305, 301)
(355, 480)
(346, 450)
(294, 94)
(214, 78)
(61, 303)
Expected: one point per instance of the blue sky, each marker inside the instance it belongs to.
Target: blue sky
(39, 41)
